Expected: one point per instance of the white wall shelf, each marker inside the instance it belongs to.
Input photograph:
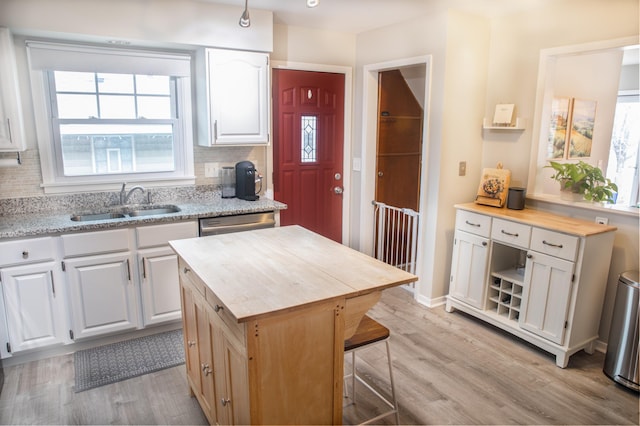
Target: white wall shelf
(520, 124)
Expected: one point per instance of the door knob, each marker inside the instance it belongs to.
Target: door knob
(380, 174)
(338, 190)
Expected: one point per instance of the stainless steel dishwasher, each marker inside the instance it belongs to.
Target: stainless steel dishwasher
(236, 223)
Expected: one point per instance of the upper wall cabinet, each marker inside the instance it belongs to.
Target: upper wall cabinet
(233, 98)
(11, 124)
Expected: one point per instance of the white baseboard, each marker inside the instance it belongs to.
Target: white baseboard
(38, 354)
(429, 302)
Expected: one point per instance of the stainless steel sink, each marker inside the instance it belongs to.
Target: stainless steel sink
(149, 211)
(126, 212)
(96, 216)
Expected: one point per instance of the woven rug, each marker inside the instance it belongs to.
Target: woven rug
(131, 358)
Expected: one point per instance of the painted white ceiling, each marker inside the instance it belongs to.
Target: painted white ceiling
(356, 16)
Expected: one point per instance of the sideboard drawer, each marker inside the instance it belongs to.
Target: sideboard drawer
(473, 223)
(555, 244)
(514, 233)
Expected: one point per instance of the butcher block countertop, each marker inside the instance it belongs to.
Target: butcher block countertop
(263, 272)
(554, 222)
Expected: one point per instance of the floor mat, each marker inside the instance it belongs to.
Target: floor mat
(131, 358)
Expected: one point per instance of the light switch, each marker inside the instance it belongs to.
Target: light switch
(462, 168)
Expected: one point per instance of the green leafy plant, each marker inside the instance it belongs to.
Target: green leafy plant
(585, 179)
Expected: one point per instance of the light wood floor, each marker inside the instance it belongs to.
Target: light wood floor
(449, 369)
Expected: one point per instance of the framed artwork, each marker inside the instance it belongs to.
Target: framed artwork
(571, 128)
(560, 113)
(581, 136)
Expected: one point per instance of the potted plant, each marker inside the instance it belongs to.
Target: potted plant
(584, 180)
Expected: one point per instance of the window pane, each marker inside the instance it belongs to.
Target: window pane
(67, 81)
(77, 106)
(117, 106)
(154, 107)
(115, 83)
(308, 139)
(624, 152)
(103, 149)
(153, 84)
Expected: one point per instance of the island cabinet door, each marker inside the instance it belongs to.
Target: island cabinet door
(295, 366)
(198, 354)
(232, 379)
(190, 330)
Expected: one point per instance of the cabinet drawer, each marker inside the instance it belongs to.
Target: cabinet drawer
(95, 242)
(189, 277)
(235, 328)
(555, 244)
(27, 251)
(474, 223)
(511, 232)
(159, 235)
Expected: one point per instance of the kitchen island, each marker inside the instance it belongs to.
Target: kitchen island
(265, 316)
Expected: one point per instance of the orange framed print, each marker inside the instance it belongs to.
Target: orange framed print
(583, 118)
(560, 114)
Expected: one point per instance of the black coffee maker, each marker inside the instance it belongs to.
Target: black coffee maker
(246, 179)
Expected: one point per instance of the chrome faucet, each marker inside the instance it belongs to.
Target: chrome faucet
(124, 196)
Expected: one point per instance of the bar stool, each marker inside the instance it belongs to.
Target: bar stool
(368, 333)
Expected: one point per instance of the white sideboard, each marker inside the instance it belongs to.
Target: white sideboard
(540, 276)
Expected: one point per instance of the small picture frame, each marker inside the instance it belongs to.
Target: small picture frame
(558, 124)
(582, 122)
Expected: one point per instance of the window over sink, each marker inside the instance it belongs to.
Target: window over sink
(109, 115)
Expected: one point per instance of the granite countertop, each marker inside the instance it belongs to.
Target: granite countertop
(37, 216)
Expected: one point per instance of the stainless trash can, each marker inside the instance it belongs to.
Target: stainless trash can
(621, 360)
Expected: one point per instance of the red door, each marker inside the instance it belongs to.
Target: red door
(308, 127)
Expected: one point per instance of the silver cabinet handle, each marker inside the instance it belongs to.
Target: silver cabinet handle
(508, 233)
(224, 402)
(472, 224)
(191, 343)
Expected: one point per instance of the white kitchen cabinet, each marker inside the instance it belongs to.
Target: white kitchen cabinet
(158, 270)
(12, 136)
(33, 300)
(102, 289)
(159, 285)
(545, 300)
(469, 261)
(233, 97)
(102, 293)
(546, 276)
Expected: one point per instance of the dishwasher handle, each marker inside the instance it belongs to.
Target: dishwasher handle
(226, 229)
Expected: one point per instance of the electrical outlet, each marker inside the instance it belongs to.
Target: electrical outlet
(462, 168)
(211, 170)
(602, 220)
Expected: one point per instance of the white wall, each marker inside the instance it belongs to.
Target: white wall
(516, 42)
(458, 44)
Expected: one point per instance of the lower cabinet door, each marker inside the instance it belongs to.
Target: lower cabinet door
(232, 381)
(159, 285)
(34, 303)
(103, 294)
(468, 268)
(546, 296)
(205, 355)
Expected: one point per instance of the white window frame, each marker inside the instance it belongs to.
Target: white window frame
(107, 60)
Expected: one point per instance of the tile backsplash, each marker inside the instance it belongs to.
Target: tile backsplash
(25, 180)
